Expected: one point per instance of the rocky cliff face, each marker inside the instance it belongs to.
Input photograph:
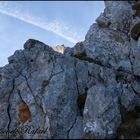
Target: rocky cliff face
(90, 91)
(59, 48)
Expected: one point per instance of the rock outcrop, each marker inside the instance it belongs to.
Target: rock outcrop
(91, 91)
(59, 48)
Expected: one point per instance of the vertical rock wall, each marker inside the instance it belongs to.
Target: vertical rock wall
(92, 91)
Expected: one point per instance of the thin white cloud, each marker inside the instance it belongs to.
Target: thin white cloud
(56, 27)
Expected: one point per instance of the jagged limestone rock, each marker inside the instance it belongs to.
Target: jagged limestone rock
(78, 50)
(59, 48)
(109, 47)
(102, 116)
(120, 14)
(103, 21)
(36, 80)
(90, 91)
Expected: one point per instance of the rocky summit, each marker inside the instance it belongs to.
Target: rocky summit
(91, 91)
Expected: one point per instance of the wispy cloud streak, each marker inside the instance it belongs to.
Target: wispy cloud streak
(54, 26)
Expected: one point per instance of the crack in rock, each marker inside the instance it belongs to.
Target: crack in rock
(9, 107)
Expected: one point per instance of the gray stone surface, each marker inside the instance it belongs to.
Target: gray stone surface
(91, 91)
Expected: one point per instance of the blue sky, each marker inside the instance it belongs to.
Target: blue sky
(52, 22)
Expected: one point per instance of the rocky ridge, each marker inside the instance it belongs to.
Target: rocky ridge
(59, 48)
(91, 91)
